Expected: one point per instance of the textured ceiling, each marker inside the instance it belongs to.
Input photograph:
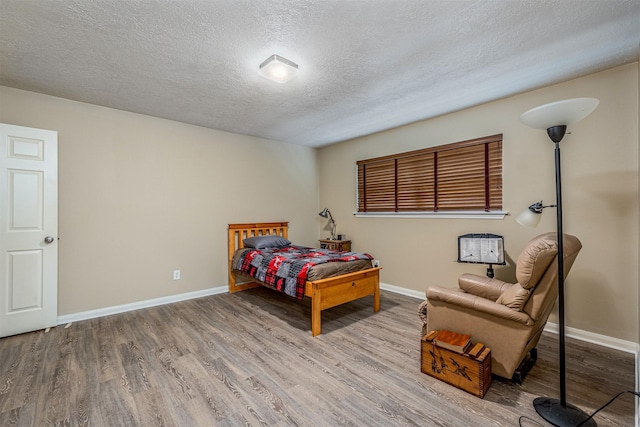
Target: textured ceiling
(365, 65)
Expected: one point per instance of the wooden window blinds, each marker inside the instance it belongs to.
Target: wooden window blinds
(463, 176)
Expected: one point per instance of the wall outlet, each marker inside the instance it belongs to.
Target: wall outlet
(376, 263)
(176, 274)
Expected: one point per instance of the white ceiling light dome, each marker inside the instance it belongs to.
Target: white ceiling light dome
(278, 69)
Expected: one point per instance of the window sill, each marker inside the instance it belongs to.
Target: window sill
(444, 215)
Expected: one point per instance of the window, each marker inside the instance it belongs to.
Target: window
(463, 176)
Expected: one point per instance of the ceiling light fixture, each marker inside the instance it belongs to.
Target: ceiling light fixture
(278, 69)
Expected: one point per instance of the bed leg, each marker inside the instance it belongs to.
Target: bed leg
(316, 315)
(376, 299)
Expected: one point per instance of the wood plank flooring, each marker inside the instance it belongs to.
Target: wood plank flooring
(249, 359)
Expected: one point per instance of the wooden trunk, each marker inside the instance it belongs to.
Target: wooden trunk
(470, 371)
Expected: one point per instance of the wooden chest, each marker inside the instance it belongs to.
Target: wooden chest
(470, 371)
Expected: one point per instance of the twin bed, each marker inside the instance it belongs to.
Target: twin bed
(335, 279)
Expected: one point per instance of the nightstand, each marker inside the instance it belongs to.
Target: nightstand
(336, 245)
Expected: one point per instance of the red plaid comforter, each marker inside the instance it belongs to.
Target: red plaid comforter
(286, 269)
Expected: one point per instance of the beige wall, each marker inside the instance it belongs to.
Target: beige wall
(141, 196)
(600, 192)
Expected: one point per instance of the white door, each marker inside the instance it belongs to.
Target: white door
(28, 229)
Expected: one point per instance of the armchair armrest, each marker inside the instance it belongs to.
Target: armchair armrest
(476, 303)
(482, 286)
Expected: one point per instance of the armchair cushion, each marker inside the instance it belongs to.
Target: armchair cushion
(466, 300)
(534, 260)
(482, 286)
(514, 297)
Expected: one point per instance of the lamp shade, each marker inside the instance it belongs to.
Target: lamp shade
(559, 113)
(529, 218)
(326, 213)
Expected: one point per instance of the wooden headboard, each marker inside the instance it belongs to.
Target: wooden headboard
(239, 232)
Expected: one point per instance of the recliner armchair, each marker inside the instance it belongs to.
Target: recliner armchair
(506, 317)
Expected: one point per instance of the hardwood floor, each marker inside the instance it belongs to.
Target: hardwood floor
(249, 359)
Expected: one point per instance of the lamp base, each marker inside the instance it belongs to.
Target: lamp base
(561, 416)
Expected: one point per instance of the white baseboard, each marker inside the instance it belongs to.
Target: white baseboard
(107, 311)
(402, 291)
(603, 340)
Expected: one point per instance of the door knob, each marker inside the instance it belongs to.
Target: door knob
(48, 239)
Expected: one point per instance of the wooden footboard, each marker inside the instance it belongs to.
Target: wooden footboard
(327, 293)
(324, 293)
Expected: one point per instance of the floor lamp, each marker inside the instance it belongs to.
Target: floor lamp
(555, 117)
